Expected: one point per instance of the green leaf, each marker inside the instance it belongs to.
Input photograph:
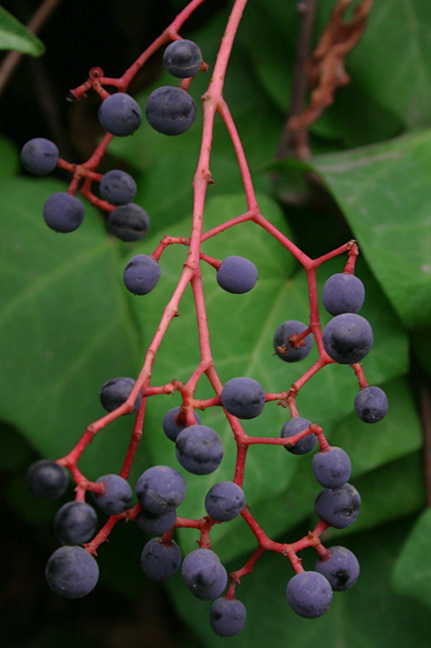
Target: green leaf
(412, 571)
(370, 614)
(64, 328)
(385, 194)
(9, 158)
(14, 36)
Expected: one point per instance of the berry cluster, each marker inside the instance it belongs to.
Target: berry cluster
(72, 570)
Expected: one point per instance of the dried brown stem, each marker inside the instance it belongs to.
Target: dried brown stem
(326, 70)
(291, 142)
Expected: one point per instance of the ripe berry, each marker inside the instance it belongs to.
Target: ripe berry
(120, 115)
(72, 572)
(341, 569)
(182, 58)
(343, 293)
(309, 594)
(117, 187)
(39, 156)
(199, 449)
(243, 397)
(141, 274)
(170, 425)
(332, 468)
(75, 523)
(115, 392)
(160, 560)
(237, 275)
(284, 344)
(160, 489)
(347, 338)
(170, 110)
(204, 574)
(128, 222)
(47, 479)
(294, 426)
(118, 495)
(371, 404)
(63, 212)
(339, 507)
(224, 501)
(227, 617)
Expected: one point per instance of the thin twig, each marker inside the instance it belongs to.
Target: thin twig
(297, 143)
(35, 23)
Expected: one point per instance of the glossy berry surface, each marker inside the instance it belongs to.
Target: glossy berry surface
(129, 222)
(339, 507)
(332, 469)
(343, 293)
(72, 572)
(115, 392)
(39, 156)
(294, 426)
(141, 274)
(118, 495)
(120, 114)
(347, 338)
(243, 397)
(159, 560)
(224, 501)
(341, 569)
(75, 523)
(237, 275)
(182, 58)
(199, 449)
(227, 617)
(170, 425)
(371, 404)
(47, 480)
(284, 346)
(63, 213)
(156, 524)
(170, 111)
(204, 574)
(309, 594)
(117, 187)
(160, 489)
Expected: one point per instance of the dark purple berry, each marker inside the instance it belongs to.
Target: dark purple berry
(182, 58)
(39, 156)
(170, 110)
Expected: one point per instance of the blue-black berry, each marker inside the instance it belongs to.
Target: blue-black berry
(284, 341)
(72, 572)
(120, 115)
(371, 404)
(47, 479)
(347, 338)
(63, 212)
(237, 275)
(243, 397)
(141, 274)
(39, 156)
(170, 110)
(182, 58)
(128, 222)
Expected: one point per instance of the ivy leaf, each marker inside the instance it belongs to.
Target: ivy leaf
(385, 195)
(64, 328)
(412, 570)
(14, 36)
